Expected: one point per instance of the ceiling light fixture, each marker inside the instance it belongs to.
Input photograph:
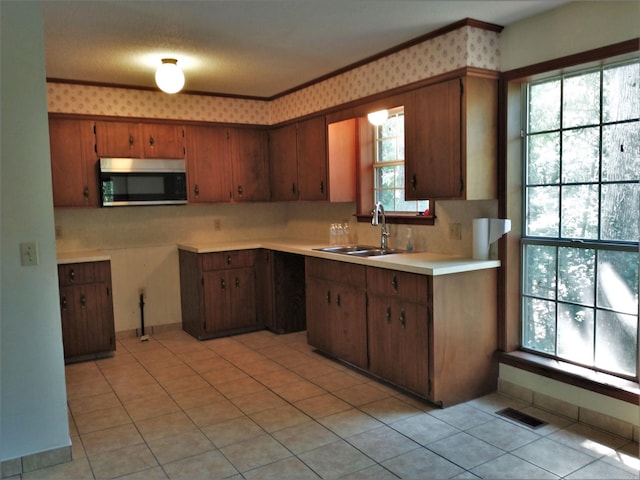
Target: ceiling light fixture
(378, 118)
(169, 77)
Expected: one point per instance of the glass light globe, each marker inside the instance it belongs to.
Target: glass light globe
(169, 77)
(378, 118)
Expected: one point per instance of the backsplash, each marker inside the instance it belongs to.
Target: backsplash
(466, 46)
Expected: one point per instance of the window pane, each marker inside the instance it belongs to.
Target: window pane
(576, 275)
(542, 211)
(539, 329)
(616, 336)
(575, 333)
(385, 177)
(620, 215)
(388, 151)
(544, 159)
(400, 177)
(621, 151)
(386, 197)
(580, 211)
(544, 106)
(618, 281)
(581, 155)
(620, 95)
(540, 263)
(581, 100)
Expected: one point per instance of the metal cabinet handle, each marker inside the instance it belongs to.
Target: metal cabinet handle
(196, 190)
(223, 284)
(151, 140)
(228, 259)
(321, 186)
(328, 296)
(237, 282)
(403, 319)
(240, 191)
(63, 303)
(131, 140)
(85, 192)
(414, 181)
(72, 275)
(388, 314)
(394, 284)
(338, 300)
(83, 301)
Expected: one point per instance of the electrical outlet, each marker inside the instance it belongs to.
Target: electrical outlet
(455, 231)
(29, 254)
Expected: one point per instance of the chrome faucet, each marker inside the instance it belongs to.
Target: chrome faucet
(375, 220)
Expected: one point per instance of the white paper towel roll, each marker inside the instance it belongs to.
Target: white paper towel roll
(480, 238)
(485, 232)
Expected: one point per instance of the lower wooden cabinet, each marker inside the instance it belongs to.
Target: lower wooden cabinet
(218, 293)
(86, 309)
(336, 309)
(435, 336)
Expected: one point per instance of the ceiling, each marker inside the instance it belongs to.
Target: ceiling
(256, 48)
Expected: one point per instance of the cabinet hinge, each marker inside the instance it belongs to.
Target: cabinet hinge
(461, 88)
(461, 185)
(202, 281)
(108, 291)
(429, 386)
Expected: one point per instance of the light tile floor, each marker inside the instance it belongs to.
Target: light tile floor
(262, 406)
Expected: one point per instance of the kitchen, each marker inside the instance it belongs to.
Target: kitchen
(152, 249)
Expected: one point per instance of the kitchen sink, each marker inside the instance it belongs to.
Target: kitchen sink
(359, 250)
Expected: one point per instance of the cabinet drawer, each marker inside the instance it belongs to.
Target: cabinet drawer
(83, 273)
(226, 260)
(336, 272)
(402, 285)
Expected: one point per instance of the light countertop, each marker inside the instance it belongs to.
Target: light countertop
(82, 257)
(424, 263)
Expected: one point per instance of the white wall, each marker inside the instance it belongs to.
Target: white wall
(572, 28)
(32, 389)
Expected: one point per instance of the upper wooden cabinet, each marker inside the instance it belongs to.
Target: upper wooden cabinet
(249, 150)
(298, 155)
(208, 165)
(451, 140)
(139, 140)
(227, 164)
(73, 163)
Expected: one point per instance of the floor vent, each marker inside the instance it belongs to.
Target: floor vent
(523, 418)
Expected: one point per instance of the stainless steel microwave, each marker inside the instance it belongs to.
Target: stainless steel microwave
(142, 181)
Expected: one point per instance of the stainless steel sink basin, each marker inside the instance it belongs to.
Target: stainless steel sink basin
(359, 250)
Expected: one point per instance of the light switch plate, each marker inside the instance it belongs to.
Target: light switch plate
(29, 254)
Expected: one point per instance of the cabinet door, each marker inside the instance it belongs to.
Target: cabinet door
(73, 163)
(242, 292)
(250, 164)
(382, 316)
(119, 139)
(312, 159)
(349, 325)
(163, 140)
(87, 319)
(284, 163)
(433, 161)
(411, 338)
(318, 306)
(342, 160)
(208, 165)
(217, 307)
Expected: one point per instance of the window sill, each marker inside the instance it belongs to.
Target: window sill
(602, 383)
(409, 219)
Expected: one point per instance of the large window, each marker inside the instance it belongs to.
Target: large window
(581, 218)
(388, 167)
